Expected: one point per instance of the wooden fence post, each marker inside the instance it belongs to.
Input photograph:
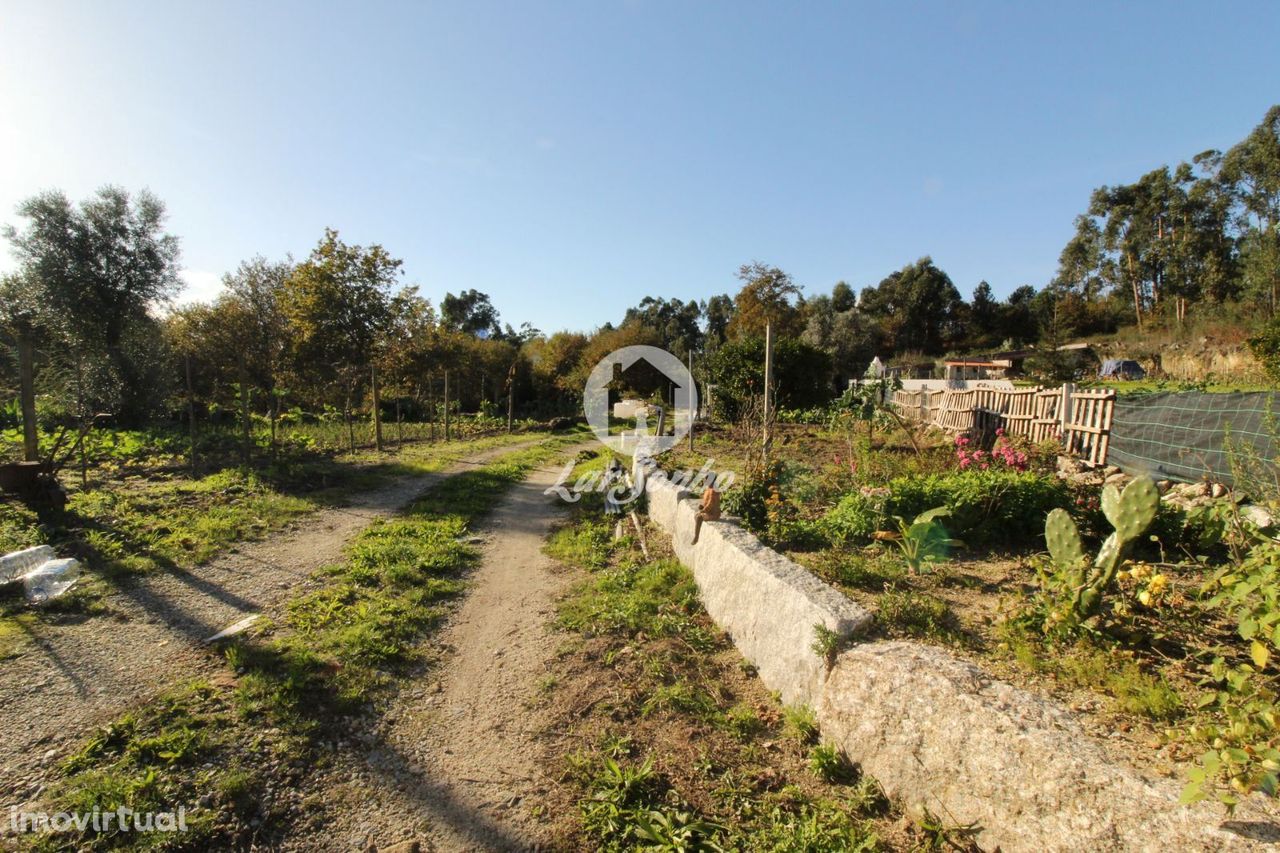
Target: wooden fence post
(1064, 408)
(377, 408)
(446, 405)
(27, 381)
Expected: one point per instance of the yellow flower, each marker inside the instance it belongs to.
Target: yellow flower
(1158, 584)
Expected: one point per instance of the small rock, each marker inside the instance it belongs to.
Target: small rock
(1257, 515)
(1217, 490)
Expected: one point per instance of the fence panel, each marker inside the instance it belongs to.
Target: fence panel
(1034, 413)
(1087, 429)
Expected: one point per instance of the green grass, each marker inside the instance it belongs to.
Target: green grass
(336, 653)
(1150, 386)
(1084, 665)
(647, 622)
(915, 614)
(871, 571)
(139, 525)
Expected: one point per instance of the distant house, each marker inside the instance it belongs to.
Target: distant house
(976, 368)
(913, 370)
(1121, 368)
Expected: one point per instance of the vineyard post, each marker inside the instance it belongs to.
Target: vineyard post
(191, 414)
(446, 405)
(377, 408)
(27, 381)
(768, 383)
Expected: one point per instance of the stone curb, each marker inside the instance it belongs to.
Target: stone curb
(938, 733)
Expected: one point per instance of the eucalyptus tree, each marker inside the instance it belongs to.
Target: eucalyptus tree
(1252, 170)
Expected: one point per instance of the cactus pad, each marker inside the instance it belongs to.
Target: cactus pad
(1135, 509)
(1063, 539)
(1110, 503)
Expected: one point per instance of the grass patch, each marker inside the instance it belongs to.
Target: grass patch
(140, 525)
(872, 570)
(709, 761)
(1083, 665)
(905, 612)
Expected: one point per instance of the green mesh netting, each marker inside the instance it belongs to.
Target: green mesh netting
(1181, 436)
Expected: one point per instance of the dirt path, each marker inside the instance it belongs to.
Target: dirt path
(74, 676)
(454, 763)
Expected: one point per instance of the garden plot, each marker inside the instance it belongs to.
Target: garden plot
(1172, 670)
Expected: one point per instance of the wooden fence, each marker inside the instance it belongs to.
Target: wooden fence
(1080, 419)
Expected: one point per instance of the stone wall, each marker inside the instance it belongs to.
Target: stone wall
(938, 733)
(766, 603)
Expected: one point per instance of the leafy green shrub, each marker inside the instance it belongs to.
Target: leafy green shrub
(853, 520)
(986, 507)
(1244, 747)
(749, 497)
(764, 505)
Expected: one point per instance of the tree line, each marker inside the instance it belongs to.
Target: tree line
(340, 328)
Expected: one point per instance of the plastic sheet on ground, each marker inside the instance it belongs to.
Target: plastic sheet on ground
(43, 575)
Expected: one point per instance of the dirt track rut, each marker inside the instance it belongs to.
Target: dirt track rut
(71, 677)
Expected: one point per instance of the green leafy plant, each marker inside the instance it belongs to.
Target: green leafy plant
(830, 765)
(992, 507)
(800, 723)
(1084, 582)
(826, 643)
(924, 541)
(1243, 734)
(915, 614)
(853, 520)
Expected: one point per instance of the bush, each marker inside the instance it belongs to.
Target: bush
(853, 520)
(992, 507)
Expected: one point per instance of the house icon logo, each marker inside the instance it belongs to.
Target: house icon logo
(674, 385)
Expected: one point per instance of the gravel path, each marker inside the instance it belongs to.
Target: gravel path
(74, 676)
(454, 763)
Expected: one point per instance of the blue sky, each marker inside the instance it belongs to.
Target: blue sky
(570, 158)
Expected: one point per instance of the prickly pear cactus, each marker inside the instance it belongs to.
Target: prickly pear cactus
(1063, 539)
(1131, 512)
